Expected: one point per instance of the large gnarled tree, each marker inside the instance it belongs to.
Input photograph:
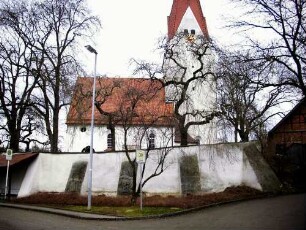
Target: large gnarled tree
(187, 75)
(16, 88)
(52, 29)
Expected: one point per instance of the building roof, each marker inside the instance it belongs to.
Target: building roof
(282, 121)
(17, 159)
(178, 11)
(132, 101)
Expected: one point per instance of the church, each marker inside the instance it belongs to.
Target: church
(150, 113)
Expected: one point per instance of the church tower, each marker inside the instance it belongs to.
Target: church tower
(189, 60)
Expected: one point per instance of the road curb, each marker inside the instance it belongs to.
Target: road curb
(78, 215)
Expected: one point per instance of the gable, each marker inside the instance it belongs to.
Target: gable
(294, 121)
(178, 11)
(189, 22)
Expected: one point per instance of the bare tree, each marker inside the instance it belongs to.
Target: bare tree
(52, 28)
(33, 130)
(136, 113)
(283, 21)
(245, 104)
(187, 74)
(147, 119)
(16, 87)
(132, 110)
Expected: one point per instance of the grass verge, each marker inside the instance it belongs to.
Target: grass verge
(121, 206)
(132, 211)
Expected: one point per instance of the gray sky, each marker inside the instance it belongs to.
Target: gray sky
(130, 29)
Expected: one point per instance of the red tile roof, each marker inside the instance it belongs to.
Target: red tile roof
(17, 158)
(178, 10)
(140, 101)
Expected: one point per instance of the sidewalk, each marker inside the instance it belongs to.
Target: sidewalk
(80, 215)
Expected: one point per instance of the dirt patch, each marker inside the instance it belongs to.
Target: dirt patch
(189, 201)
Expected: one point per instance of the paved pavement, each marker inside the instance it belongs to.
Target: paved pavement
(67, 213)
(285, 212)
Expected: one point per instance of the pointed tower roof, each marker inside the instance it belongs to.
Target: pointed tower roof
(178, 11)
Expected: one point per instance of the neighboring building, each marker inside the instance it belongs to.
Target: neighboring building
(17, 170)
(290, 130)
(287, 147)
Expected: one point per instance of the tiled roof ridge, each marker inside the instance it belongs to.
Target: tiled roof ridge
(118, 77)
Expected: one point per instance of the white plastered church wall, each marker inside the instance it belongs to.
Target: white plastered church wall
(76, 139)
(137, 136)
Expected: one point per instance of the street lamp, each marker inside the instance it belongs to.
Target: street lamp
(92, 50)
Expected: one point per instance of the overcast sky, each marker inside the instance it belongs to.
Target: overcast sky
(130, 29)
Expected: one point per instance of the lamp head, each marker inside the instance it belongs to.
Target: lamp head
(90, 49)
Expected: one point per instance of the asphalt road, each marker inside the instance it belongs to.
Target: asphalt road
(286, 212)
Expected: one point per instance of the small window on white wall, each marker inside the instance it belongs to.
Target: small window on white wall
(198, 139)
(110, 141)
(152, 141)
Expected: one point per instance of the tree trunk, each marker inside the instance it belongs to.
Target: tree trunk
(14, 142)
(236, 133)
(56, 110)
(244, 136)
(53, 134)
(184, 137)
(54, 143)
(134, 187)
(14, 137)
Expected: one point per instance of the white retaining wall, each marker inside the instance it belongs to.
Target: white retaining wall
(220, 166)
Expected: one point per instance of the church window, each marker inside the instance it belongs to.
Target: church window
(83, 129)
(198, 139)
(110, 141)
(193, 32)
(185, 31)
(152, 141)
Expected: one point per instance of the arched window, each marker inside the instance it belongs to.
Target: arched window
(152, 141)
(198, 139)
(110, 141)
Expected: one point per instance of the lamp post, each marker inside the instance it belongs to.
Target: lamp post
(92, 50)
